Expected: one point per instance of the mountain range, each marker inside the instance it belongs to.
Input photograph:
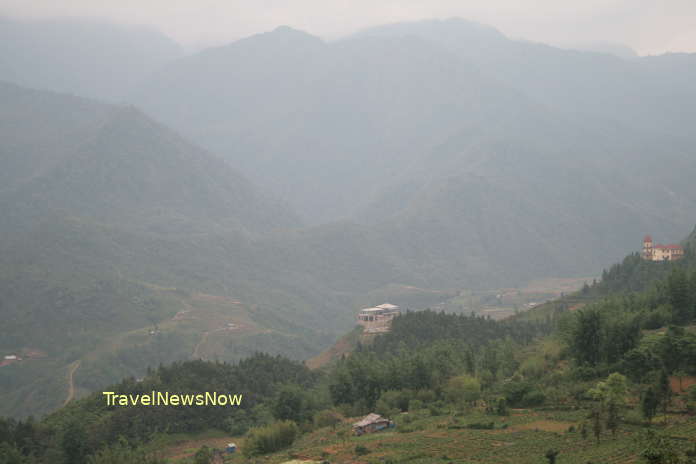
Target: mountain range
(442, 140)
(290, 180)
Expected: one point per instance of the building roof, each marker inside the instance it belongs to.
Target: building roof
(383, 307)
(647, 238)
(369, 419)
(669, 247)
(369, 310)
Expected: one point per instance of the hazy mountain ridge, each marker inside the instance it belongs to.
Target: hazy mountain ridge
(345, 116)
(372, 128)
(85, 57)
(645, 93)
(131, 172)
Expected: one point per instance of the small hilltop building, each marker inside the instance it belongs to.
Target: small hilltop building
(378, 319)
(652, 252)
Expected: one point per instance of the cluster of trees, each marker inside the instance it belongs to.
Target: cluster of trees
(429, 354)
(270, 438)
(610, 396)
(633, 274)
(83, 431)
(614, 332)
(659, 449)
(415, 329)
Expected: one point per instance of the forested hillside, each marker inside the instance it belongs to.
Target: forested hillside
(612, 380)
(111, 223)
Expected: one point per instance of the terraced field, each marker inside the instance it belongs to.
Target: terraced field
(522, 438)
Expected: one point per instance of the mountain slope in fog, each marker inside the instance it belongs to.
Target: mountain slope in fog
(111, 223)
(88, 58)
(655, 93)
(468, 156)
(115, 166)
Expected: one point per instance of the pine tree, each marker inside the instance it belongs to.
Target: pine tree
(649, 404)
(664, 389)
(679, 296)
(596, 418)
(551, 455)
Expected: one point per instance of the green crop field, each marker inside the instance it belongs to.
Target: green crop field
(522, 438)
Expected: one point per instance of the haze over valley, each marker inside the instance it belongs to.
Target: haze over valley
(159, 205)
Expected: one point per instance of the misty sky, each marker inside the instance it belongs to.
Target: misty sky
(648, 26)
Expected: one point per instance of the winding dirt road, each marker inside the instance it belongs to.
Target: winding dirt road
(71, 382)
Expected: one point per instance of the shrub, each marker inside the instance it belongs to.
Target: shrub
(203, 456)
(523, 394)
(119, 453)
(327, 418)
(533, 398)
(691, 408)
(463, 389)
(396, 399)
(692, 393)
(415, 405)
(361, 450)
(426, 396)
(274, 437)
(585, 373)
(551, 455)
(501, 407)
(434, 410)
(533, 367)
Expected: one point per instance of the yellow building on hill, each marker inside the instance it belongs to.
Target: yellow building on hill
(653, 252)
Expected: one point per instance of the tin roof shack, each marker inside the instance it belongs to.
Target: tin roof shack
(371, 423)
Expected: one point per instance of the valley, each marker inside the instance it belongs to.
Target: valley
(194, 218)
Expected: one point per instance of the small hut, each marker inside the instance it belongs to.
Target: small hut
(371, 423)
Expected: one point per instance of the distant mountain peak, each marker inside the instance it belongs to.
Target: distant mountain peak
(608, 48)
(449, 27)
(286, 34)
(285, 29)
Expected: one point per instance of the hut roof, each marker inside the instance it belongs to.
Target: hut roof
(369, 419)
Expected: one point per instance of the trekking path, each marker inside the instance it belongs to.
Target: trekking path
(71, 382)
(201, 342)
(204, 339)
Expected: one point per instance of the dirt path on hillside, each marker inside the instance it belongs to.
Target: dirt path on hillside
(71, 382)
(203, 340)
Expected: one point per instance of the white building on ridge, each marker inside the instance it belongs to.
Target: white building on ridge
(378, 319)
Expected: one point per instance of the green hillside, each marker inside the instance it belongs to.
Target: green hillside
(612, 381)
(113, 225)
